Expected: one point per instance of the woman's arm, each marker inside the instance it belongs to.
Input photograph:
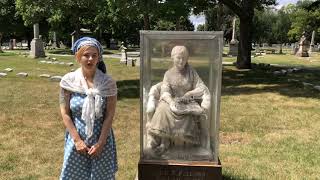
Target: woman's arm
(106, 126)
(66, 117)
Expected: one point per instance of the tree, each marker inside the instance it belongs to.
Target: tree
(245, 11)
(303, 20)
(281, 27)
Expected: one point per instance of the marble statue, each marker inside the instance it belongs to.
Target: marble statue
(177, 108)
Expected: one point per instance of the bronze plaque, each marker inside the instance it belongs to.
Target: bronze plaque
(158, 170)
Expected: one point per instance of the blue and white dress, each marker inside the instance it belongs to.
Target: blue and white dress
(77, 166)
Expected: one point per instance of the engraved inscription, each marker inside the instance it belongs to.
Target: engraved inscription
(182, 174)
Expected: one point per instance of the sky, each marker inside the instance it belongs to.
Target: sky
(196, 20)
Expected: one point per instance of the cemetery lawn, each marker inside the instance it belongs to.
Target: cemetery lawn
(269, 124)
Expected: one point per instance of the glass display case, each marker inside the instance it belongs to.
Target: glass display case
(180, 82)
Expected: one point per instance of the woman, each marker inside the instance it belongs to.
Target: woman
(183, 99)
(87, 103)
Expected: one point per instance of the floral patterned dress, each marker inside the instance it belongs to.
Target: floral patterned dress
(77, 166)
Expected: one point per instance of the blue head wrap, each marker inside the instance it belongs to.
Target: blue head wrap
(88, 41)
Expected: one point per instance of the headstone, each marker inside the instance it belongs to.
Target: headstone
(317, 87)
(14, 43)
(45, 75)
(22, 74)
(37, 49)
(69, 64)
(8, 69)
(113, 44)
(56, 78)
(62, 45)
(54, 44)
(3, 74)
(11, 44)
(312, 49)
(303, 46)
(233, 46)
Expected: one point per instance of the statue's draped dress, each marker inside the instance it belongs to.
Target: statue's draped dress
(167, 124)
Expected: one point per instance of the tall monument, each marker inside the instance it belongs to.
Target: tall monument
(311, 49)
(36, 43)
(233, 46)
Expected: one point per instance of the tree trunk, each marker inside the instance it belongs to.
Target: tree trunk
(146, 21)
(244, 51)
(178, 26)
(280, 50)
(220, 17)
(1, 43)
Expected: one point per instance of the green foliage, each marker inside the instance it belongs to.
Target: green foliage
(304, 20)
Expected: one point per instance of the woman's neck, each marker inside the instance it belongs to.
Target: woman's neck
(88, 75)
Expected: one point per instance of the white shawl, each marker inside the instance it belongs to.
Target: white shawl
(103, 86)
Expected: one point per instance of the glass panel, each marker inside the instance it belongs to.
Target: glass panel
(180, 97)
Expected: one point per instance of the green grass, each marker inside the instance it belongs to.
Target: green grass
(269, 126)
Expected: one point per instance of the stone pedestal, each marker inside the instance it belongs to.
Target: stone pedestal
(233, 48)
(37, 48)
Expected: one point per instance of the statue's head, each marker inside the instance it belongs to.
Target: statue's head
(179, 55)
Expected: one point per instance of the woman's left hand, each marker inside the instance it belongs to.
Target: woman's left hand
(96, 149)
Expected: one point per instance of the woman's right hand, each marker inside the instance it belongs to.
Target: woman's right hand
(81, 147)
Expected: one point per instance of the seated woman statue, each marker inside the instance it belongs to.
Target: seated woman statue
(183, 100)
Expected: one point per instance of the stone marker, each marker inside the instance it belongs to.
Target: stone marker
(3, 74)
(45, 75)
(22, 74)
(36, 44)
(317, 87)
(8, 69)
(233, 46)
(312, 49)
(56, 78)
(69, 64)
(307, 84)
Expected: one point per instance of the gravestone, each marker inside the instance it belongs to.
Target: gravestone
(22, 74)
(113, 44)
(312, 48)
(37, 49)
(303, 46)
(233, 46)
(11, 44)
(191, 151)
(54, 44)
(3, 74)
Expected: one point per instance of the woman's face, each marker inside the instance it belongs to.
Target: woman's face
(89, 59)
(179, 61)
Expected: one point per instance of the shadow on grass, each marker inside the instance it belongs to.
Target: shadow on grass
(263, 79)
(128, 89)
